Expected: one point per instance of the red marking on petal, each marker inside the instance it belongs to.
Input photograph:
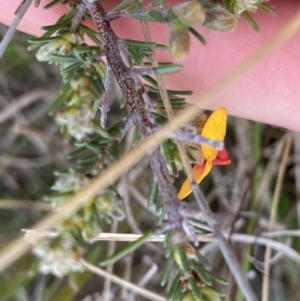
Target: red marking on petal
(218, 161)
(222, 154)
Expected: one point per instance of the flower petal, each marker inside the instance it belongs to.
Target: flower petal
(219, 161)
(222, 154)
(199, 171)
(222, 158)
(214, 128)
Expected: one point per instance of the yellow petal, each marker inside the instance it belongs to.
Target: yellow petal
(200, 172)
(214, 128)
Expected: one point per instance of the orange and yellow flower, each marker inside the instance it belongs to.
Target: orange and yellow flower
(214, 128)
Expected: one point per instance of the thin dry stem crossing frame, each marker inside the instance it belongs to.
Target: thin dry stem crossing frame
(275, 201)
(13, 27)
(19, 247)
(32, 236)
(139, 290)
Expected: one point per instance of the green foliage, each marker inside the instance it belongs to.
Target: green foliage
(83, 72)
(193, 281)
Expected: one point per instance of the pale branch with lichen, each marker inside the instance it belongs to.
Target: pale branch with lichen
(140, 116)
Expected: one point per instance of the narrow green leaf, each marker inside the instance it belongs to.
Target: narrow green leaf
(135, 7)
(174, 102)
(136, 139)
(161, 47)
(91, 34)
(58, 197)
(197, 35)
(195, 289)
(63, 172)
(198, 230)
(251, 21)
(268, 9)
(88, 49)
(76, 153)
(183, 258)
(72, 68)
(153, 194)
(129, 249)
(202, 274)
(168, 153)
(175, 286)
(33, 46)
(98, 85)
(162, 216)
(88, 160)
(64, 59)
(167, 69)
(179, 295)
(57, 26)
(108, 219)
(114, 151)
(144, 17)
(218, 278)
(51, 4)
(206, 265)
(123, 5)
(150, 80)
(139, 44)
(175, 92)
(43, 40)
(168, 269)
(167, 241)
(217, 291)
(64, 96)
(159, 2)
(159, 203)
(157, 16)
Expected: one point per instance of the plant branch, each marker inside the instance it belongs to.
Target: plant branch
(139, 290)
(223, 245)
(18, 247)
(13, 27)
(275, 201)
(33, 236)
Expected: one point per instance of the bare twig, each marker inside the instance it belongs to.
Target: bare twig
(139, 290)
(111, 249)
(275, 201)
(224, 247)
(24, 101)
(33, 236)
(127, 274)
(13, 27)
(25, 162)
(147, 277)
(41, 135)
(24, 204)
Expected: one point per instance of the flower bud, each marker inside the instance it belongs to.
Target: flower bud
(189, 251)
(191, 13)
(245, 5)
(188, 297)
(104, 204)
(81, 82)
(179, 40)
(210, 294)
(220, 20)
(74, 38)
(177, 256)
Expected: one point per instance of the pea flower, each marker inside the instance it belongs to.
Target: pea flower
(214, 128)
